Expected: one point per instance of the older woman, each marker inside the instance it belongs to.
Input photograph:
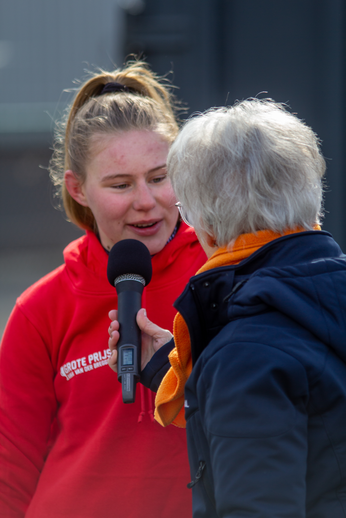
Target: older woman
(258, 369)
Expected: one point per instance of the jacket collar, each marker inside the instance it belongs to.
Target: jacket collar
(204, 304)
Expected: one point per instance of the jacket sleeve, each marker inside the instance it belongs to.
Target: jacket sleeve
(157, 367)
(253, 408)
(27, 411)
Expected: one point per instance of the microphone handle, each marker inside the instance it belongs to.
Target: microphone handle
(129, 345)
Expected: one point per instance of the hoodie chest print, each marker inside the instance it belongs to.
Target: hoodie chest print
(85, 364)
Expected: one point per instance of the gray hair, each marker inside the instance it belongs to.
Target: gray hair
(253, 166)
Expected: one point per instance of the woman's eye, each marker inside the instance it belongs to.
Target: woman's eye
(120, 186)
(159, 179)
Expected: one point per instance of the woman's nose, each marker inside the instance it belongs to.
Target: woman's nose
(144, 199)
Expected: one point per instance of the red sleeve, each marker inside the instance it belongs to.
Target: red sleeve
(27, 411)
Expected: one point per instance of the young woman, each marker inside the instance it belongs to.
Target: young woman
(68, 445)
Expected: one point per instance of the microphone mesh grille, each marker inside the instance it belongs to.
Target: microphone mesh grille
(129, 277)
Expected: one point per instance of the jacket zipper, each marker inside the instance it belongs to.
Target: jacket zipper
(198, 474)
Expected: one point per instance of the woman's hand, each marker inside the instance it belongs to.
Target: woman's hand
(153, 337)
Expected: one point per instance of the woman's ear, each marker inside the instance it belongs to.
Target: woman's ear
(207, 241)
(74, 187)
(211, 241)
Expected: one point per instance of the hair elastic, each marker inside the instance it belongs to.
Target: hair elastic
(114, 87)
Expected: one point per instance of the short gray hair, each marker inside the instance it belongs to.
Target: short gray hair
(253, 166)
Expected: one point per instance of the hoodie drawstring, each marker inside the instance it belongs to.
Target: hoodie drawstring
(143, 392)
(151, 397)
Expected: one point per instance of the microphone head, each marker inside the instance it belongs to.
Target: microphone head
(129, 256)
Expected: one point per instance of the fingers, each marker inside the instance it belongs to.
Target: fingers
(113, 326)
(113, 361)
(113, 329)
(113, 340)
(113, 332)
(113, 314)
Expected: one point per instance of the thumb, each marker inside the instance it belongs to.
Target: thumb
(145, 325)
(152, 330)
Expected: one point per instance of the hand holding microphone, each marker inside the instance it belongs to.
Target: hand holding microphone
(153, 337)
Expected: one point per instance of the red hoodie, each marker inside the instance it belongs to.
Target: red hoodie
(69, 446)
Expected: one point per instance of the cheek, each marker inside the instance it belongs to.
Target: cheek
(115, 209)
(168, 199)
(106, 208)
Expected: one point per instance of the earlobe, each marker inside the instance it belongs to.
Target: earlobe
(74, 187)
(211, 241)
(207, 242)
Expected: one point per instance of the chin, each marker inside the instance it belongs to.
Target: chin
(154, 248)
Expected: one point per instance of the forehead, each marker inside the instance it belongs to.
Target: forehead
(128, 146)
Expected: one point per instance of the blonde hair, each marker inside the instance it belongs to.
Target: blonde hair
(147, 104)
(253, 166)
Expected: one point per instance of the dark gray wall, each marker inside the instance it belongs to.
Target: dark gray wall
(223, 50)
(28, 217)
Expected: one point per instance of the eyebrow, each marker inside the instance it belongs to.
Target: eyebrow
(121, 175)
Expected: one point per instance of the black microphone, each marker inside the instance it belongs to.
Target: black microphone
(129, 270)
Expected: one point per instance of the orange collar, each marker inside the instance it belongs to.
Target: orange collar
(169, 402)
(243, 247)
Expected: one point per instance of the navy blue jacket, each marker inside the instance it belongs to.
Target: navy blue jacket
(266, 400)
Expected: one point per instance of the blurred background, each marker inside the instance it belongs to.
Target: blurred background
(216, 50)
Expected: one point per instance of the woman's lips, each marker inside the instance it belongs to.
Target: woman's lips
(145, 228)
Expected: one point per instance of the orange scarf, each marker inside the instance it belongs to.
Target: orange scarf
(169, 402)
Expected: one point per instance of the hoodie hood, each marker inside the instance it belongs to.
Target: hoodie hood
(86, 265)
(305, 280)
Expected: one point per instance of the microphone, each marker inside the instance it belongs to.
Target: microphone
(129, 270)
